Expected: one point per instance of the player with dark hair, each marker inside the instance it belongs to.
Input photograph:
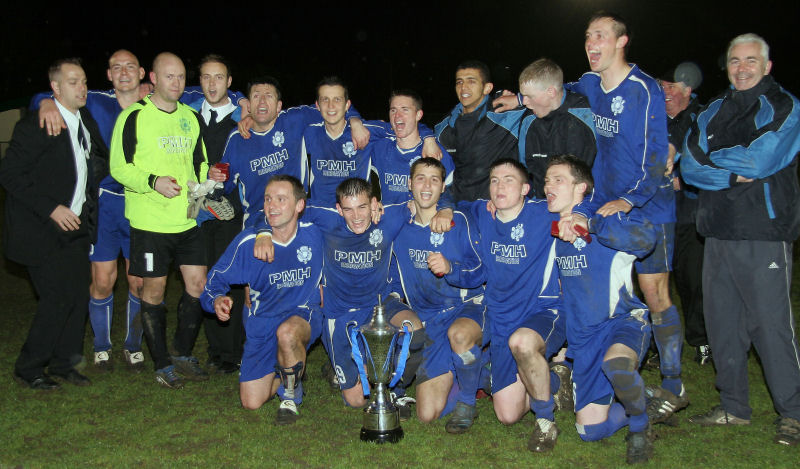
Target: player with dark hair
(284, 318)
(453, 318)
(391, 158)
(473, 134)
(607, 326)
(518, 255)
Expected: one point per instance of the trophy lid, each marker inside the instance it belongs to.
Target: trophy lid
(379, 325)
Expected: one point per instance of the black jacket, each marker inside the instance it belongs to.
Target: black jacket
(38, 173)
(755, 134)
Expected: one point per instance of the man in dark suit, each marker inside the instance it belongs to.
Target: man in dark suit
(50, 218)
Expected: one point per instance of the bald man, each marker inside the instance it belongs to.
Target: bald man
(157, 148)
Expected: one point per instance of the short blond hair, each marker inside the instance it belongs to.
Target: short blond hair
(543, 72)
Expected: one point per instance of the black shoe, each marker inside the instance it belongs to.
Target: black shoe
(640, 446)
(73, 377)
(226, 368)
(39, 383)
(461, 419)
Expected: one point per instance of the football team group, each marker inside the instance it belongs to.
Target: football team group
(504, 240)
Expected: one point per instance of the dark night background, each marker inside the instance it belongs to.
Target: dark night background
(378, 46)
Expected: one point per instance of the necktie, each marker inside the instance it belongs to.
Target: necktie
(82, 137)
(213, 119)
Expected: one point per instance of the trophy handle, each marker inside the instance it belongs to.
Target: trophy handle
(354, 335)
(401, 360)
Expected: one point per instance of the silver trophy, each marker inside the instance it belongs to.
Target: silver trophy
(381, 416)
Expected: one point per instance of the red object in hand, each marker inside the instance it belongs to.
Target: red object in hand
(225, 168)
(582, 233)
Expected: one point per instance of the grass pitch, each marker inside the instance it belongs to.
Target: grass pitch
(126, 420)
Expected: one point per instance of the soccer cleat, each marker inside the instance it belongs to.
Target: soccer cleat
(788, 431)
(190, 368)
(102, 361)
(544, 436)
(403, 404)
(168, 378)
(287, 413)
(563, 398)
(717, 416)
(461, 419)
(640, 446)
(703, 355)
(135, 360)
(662, 404)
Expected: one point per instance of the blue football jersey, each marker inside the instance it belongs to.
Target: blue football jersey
(278, 151)
(356, 265)
(392, 164)
(519, 261)
(631, 130)
(427, 294)
(334, 158)
(596, 276)
(290, 281)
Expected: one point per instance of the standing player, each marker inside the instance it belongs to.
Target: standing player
(284, 319)
(156, 149)
(518, 256)
(392, 157)
(607, 326)
(453, 318)
(630, 124)
(272, 145)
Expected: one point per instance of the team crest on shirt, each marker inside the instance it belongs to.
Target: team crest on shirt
(185, 125)
(278, 139)
(617, 105)
(579, 243)
(376, 237)
(304, 254)
(517, 232)
(436, 238)
(348, 149)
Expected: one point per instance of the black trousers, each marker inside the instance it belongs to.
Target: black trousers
(56, 333)
(747, 302)
(225, 339)
(688, 274)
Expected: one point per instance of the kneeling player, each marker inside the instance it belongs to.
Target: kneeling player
(607, 326)
(523, 300)
(453, 318)
(285, 316)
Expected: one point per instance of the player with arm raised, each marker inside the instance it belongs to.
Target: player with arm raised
(284, 318)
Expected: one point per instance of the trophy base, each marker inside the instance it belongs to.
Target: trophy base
(382, 436)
